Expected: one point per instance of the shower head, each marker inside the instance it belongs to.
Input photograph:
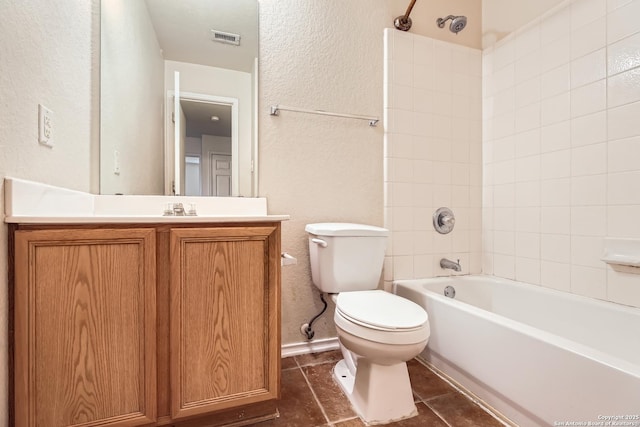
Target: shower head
(457, 23)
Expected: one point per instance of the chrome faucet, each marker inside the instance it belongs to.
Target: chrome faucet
(446, 263)
(178, 209)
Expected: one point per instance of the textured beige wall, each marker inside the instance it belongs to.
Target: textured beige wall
(315, 55)
(328, 56)
(131, 100)
(48, 57)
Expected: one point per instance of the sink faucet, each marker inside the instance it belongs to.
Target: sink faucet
(178, 209)
(455, 266)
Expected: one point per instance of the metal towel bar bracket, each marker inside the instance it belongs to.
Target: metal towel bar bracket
(275, 109)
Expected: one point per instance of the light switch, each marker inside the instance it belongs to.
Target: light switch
(45, 126)
(116, 162)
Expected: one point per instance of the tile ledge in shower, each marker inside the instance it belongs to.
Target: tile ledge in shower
(624, 252)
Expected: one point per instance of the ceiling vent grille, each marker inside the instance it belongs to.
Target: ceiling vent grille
(222, 37)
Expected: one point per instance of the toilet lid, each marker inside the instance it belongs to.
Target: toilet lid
(381, 310)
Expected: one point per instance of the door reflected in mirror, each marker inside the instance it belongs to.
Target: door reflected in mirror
(143, 44)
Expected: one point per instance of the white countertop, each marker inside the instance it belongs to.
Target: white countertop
(28, 202)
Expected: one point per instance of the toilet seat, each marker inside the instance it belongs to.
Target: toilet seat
(380, 316)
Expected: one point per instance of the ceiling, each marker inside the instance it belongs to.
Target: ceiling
(501, 17)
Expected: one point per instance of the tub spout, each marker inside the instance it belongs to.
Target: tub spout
(446, 263)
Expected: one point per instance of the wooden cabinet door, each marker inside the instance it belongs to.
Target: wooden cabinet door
(85, 327)
(224, 321)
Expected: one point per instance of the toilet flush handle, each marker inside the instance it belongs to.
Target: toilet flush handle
(319, 242)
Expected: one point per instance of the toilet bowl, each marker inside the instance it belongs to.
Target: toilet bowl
(378, 331)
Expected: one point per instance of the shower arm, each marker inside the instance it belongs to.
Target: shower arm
(403, 22)
(408, 12)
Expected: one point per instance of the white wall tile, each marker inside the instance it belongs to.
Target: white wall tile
(504, 219)
(590, 282)
(561, 158)
(622, 221)
(589, 220)
(555, 192)
(555, 26)
(589, 68)
(556, 136)
(527, 117)
(623, 21)
(589, 98)
(528, 245)
(555, 275)
(527, 92)
(555, 81)
(623, 121)
(589, 160)
(614, 4)
(555, 54)
(556, 164)
(528, 67)
(589, 190)
(528, 270)
(585, 11)
(624, 188)
(527, 194)
(555, 247)
(528, 220)
(589, 129)
(555, 220)
(623, 88)
(528, 168)
(588, 38)
(555, 109)
(504, 266)
(587, 251)
(623, 55)
(623, 155)
(527, 143)
(622, 287)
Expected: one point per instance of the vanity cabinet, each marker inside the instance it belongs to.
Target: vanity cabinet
(145, 324)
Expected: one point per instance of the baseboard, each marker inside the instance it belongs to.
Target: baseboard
(306, 347)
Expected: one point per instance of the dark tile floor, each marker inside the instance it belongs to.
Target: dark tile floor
(310, 397)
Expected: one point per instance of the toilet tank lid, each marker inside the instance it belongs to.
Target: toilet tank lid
(345, 229)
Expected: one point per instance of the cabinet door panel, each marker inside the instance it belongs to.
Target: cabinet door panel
(223, 303)
(85, 327)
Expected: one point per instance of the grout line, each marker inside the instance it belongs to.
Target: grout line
(469, 395)
(315, 397)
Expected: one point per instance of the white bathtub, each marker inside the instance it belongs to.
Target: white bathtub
(538, 356)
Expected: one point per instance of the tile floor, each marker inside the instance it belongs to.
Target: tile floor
(310, 397)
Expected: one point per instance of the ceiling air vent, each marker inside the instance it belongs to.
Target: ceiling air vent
(222, 37)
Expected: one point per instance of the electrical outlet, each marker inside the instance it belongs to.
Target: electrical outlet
(45, 126)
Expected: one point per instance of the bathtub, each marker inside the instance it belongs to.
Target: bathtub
(538, 356)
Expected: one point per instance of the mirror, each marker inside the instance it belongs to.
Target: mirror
(213, 47)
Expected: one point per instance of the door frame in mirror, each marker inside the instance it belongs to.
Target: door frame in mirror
(171, 146)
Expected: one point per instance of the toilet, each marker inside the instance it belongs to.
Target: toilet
(378, 331)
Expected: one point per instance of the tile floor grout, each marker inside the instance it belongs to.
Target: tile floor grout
(312, 398)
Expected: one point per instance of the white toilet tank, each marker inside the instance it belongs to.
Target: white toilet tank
(346, 257)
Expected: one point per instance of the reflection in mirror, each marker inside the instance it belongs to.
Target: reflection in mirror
(143, 43)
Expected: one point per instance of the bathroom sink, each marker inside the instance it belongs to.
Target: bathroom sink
(33, 202)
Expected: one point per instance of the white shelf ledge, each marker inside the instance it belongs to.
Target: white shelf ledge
(622, 252)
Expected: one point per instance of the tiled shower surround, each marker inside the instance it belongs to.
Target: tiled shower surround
(561, 149)
(433, 154)
(534, 143)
